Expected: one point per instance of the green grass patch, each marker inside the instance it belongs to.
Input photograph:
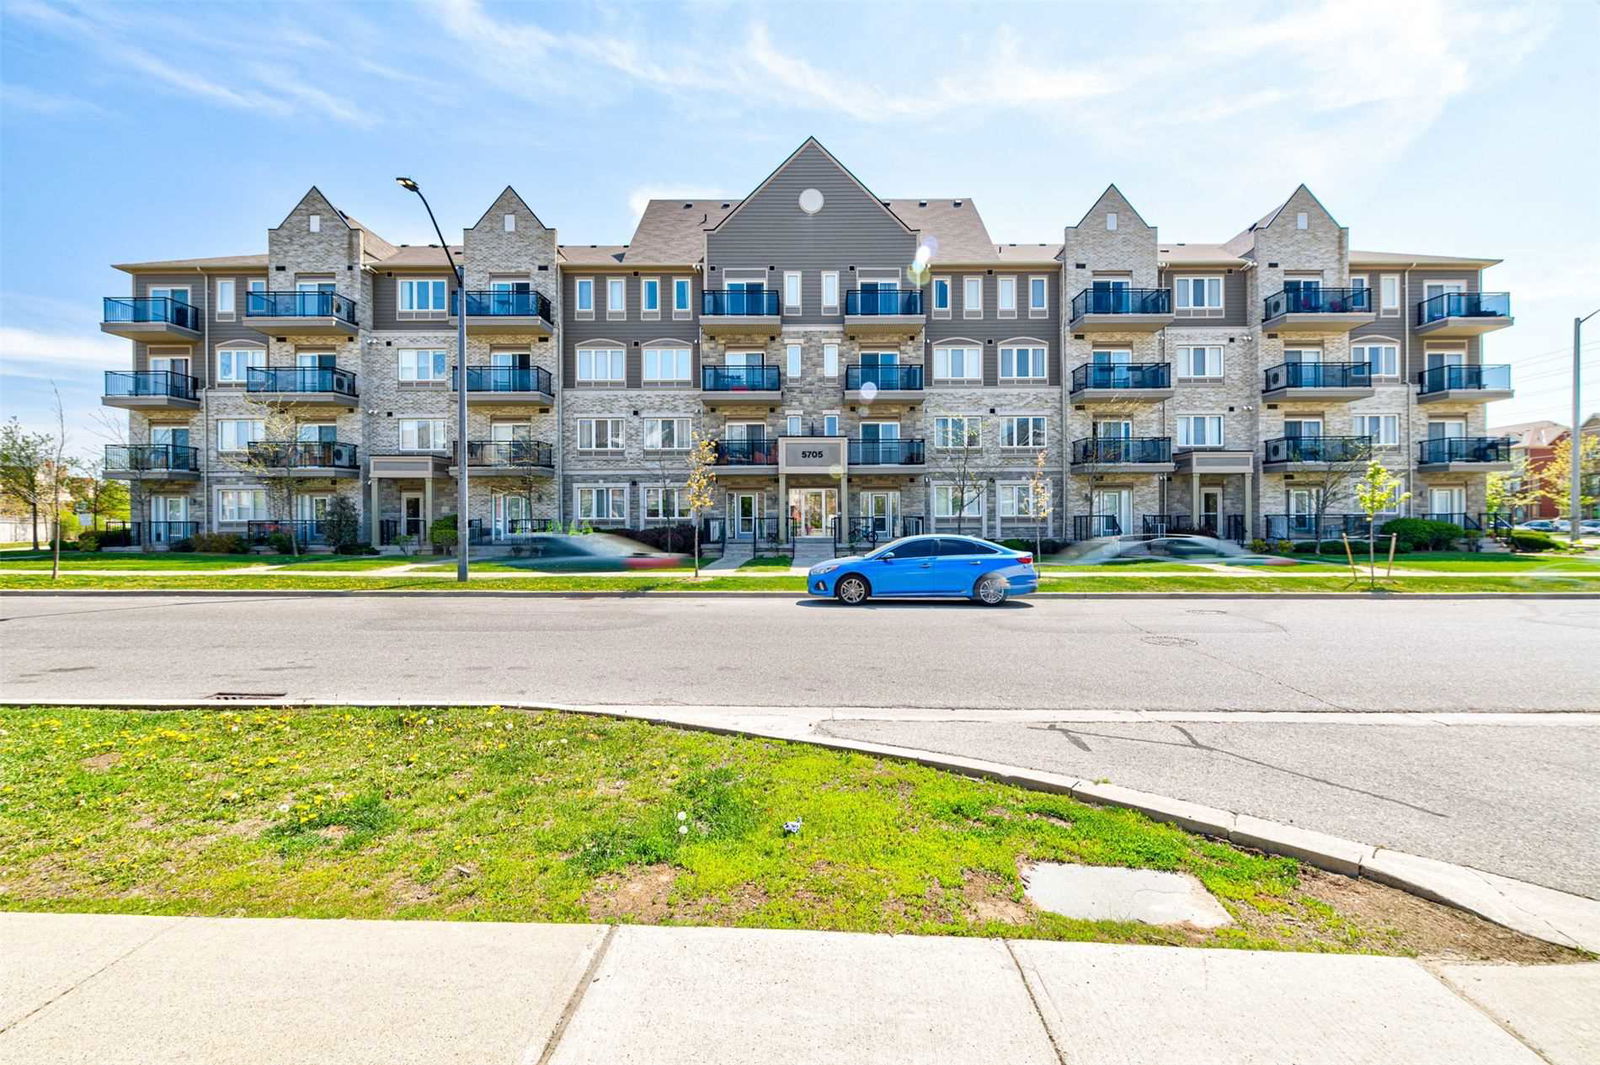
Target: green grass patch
(177, 582)
(183, 561)
(768, 562)
(483, 814)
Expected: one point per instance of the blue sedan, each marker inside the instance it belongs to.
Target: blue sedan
(927, 567)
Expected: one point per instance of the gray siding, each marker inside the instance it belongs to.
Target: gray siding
(384, 313)
(1236, 309)
(991, 330)
(633, 332)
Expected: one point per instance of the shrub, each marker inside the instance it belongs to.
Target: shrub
(1046, 546)
(116, 538)
(89, 541)
(1532, 542)
(186, 545)
(221, 544)
(69, 524)
(1259, 546)
(1419, 534)
(677, 537)
(342, 525)
(442, 533)
(1284, 547)
(281, 543)
(355, 549)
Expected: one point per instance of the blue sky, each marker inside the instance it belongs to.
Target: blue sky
(145, 131)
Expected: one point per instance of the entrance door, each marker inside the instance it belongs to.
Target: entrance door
(169, 364)
(1447, 504)
(1303, 511)
(1211, 510)
(812, 511)
(165, 510)
(509, 515)
(744, 508)
(1110, 369)
(1109, 295)
(169, 435)
(310, 514)
(1115, 504)
(880, 512)
(412, 521)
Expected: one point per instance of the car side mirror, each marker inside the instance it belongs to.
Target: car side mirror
(886, 557)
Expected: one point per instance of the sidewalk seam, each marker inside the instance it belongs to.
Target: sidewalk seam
(1427, 966)
(1033, 1000)
(119, 959)
(575, 999)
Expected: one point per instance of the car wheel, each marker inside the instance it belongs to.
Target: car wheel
(852, 590)
(991, 591)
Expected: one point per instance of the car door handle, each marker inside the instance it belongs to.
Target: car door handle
(927, 565)
(975, 562)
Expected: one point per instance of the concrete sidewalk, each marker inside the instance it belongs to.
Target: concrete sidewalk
(152, 990)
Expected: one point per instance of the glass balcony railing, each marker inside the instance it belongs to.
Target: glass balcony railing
(883, 301)
(310, 380)
(1120, 450)
(762, 452)
(1464, 305)
(1496, 378)
(152, 458)
(509, 379)
(1463, 449)
(299, 305)
(152, 383)
(894, 452)
(1317, 375)
(508, 453)
(1122, 375)
(504, 303)
(1329, 449)
(156, 309)
(1122, 301)
(740, 379)
(895, 378)
(740, 302)
(1317, 301)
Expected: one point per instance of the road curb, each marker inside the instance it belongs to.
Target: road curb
(1544, 913)
(668, 593)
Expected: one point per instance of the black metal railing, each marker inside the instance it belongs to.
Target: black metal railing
(1112, 450)
(1464, 305)
(299, 305)
(1464, 449)
(894, 452)
(1221, 526)
(152, 458)
(391, 529)
(1310, 527)
(1330, 449)
(746, 302)
(1093, 526)
(1122, 375)
(509, 379)
(136, 309)
(298, 454)
(883, 301)
(894, 378)
(763, 452)
(507, 531)
(307, 380)
(1466, 521)
(1317, 301)
(508, 453)
(502, 303)
(1497, 525)
(740, 379)
(1317, 375)
(874, 531)
(137, 533)
(1122, 301)
(1471, 378)
(304, 530)
(168, 383)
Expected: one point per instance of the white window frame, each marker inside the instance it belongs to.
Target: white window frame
(685, 285)
(612, 492)
(1186, 362)
(407, 288)
(941, 354)
(1008, 432)
(972, 505)
(1111, 221)
(509, 223)
(616, 310)
(1378, 342)
(227, 298)
(794, 423)
(793, 286)
(830, 423)
(228, 500)
(1183, 289)
(655, 497)
(655, 350)
(616, 441)
(435, 427)
(830, 280)
(1379, 438)
(580, 285)
(314, 223)
(830, 360)
(228, 440)
(1003, 283)
(970, 428)
(1185, 431)
(647, 286)
(949, 296)
(408, 367)
(1386, 282)
(1014, 499)
(1030, 345)
(616, 355)
(1302, 220)
(653, 436)
(796, 355)
(970, 308)
(1040, 309)
(234, 350)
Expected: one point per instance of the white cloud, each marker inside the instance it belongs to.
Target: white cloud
(22, 98)
(42, 355)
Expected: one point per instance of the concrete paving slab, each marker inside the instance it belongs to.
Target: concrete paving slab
(1110, 1004)
(47, 954)
(222, 991)
(708, 996)
(1314, 848)
(1106, 893)
(1555, 1009)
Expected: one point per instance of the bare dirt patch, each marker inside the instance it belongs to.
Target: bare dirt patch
(333, 833)
(102, 761)
(639, 895)
(988, 899)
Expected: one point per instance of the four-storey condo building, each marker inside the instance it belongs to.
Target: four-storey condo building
(866, 367)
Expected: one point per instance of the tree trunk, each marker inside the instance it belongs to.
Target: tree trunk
(33, 509)
(697, 549)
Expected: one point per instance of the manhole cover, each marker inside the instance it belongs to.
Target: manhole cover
(245, 697)
(1168, 641)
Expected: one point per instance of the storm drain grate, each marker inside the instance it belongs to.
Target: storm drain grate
(245, 697)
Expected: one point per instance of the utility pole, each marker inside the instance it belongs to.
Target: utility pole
(1575, 513)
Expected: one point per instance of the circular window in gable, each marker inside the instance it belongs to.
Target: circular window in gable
(811, 201)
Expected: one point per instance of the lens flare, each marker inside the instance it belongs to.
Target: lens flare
(869, 391)
(922, 264)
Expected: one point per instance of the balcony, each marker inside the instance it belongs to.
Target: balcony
(1464, 384)
(739, 310)
(1095, 526)
(882, 383)
(155, 462)
(121, 533)
(509, 384)
(895, 453)
(306, 531)
(1310, 527)
(151, 390)
(1124, 454)
(1121, 310)
(301, 313)
(1450, 454)
(500, 312)
(306, 458)
(1312, 453)
(1317, 381)
(310, 386)
(150, 318)
(510, 458)
(888, 310)
(1463, 314)
(1324, 310)
(1094, 382)
(762, 452)
(724, 385)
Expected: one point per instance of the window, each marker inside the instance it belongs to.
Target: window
(830, 292)
(603, 504)
(1199, 430)
(791, 292)
(422, 365)
(1383, 357)
(666, 434)
(1389, 294)
(601, 366)
(1198, 297)
(682, 290)
(830, 425)
(1358, 282)
(793, 425)
(1006, 298)
(957, 431)
(650, 298)
(1383, 428)
(236, 434)
(422, 434)
(1022, 431)
(422, 297)
(972, 297)
(666, 504)
(600, 434)
(664, 366)
(1111, 221)
(1016, 500)
(256, 284)
(314, 223)
(1199, 362)
(794, 351)
(941, 297)
(830, 360)
(957, 363)
(241, 504)
(1020, 362)
(226, 301)
(957, 501)
(617, 298)
(1301, 221)
(233, 364)
(1038, 297)
(583, 296)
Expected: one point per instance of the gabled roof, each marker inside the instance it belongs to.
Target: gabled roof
(954, 223)
(420, 255)
(1028, 253)
(1198, 255)
(313, 191)
(673, 232)
(1111, 190)
(812, 142)
(597, 255)
(215, 262)
(1542, 433)
(1395, 258)
(514, 195)
(1245, 240)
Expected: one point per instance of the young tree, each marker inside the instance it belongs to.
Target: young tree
(1041, 501)
(102, 497)
(700, 484)
(272, 461)
(24, 480)
(117, 431)
(343, 523)
(59, 474)
(1333, 476)
(969, 482)
(1378, 490)
(1508, 493)
(1555, 476)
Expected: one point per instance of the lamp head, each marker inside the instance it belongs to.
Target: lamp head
(407, 184)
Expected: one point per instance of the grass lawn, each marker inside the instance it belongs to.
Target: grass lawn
(530, 565)
(176, 560)
(479, 814)
(769, 562)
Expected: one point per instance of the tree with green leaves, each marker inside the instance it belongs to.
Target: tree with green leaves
(25, 479)
(1041, 501)
(1377, 491)
(700, 484)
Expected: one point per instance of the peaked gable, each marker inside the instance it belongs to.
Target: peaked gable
(314, 202)
(509, 202)
(810, 156)
(1112, 200)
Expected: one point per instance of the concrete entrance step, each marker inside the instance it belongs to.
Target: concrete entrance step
(808, 553)
(734, 554)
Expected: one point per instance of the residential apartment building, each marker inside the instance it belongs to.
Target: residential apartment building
(865, 366)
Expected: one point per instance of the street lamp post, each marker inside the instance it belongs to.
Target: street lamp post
(1576, 442)
(461, 384)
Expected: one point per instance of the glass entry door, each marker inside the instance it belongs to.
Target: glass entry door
(881, 512)
(744, 508)
(509, 515)
(1211, 509)
(412, 520)
(165, 509)
(812, 511)
(1115, 503)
